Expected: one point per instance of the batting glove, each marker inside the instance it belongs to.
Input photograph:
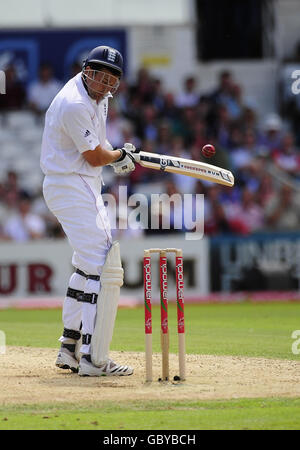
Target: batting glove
(126, 162)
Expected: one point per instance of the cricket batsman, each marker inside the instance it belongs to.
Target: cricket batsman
(74, 149)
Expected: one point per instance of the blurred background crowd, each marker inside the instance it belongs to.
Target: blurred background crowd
(264, 156)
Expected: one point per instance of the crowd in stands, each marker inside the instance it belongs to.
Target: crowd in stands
(263, 155)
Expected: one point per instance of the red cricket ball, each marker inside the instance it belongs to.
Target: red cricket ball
(208, 150)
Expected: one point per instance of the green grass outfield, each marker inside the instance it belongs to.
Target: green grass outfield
(260, 330)
(244, 414)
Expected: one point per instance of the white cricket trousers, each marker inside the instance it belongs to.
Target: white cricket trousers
(77, 203)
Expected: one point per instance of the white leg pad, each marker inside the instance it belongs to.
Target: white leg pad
(77, 349)
(111, 280)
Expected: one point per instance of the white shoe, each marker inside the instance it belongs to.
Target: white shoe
(109, 369)
(66, 360)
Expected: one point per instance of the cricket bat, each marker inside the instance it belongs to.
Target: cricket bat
(182, 166)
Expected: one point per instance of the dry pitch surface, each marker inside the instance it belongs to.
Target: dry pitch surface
(29, 376)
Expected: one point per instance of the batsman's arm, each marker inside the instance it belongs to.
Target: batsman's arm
(78, 125)
(101, 156)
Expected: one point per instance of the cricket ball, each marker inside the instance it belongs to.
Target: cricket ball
(208, 150)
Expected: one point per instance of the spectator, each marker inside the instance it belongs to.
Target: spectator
(178, 147)
(287, 157)
(248, 118)
(11, 199)
(215, 218)
(14, 99)
(158, 95)
(283, 211)
(186, 124)
(266, 190)
(11, 183)
(203, 108)
(10, 194)
(223, 101)
(255, 173)
(271, 136)
(164, 138)
(236, 137)
(42, 91)
(129, 135)
(149, 123)
(115, 125)
(170, 110)
(223, 126)
(23, 225)
(242, 157)
(234, 102)
(199, 134)
(230, 96)
(143, 87)
(247, 216)
(224, 89)
(134, 113)
(189, 96)
(122, 100)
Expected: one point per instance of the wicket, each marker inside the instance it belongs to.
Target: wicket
(164, 310)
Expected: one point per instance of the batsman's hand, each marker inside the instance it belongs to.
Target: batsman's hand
(126, 162)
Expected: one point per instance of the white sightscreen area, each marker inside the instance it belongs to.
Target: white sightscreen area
(57, 13)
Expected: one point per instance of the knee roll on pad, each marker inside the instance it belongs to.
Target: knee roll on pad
(81, 296)
(74, 293)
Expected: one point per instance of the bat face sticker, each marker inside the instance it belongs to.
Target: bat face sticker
(163, 163)
(168, 162)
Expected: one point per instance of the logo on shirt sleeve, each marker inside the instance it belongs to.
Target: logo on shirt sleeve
(87, 133)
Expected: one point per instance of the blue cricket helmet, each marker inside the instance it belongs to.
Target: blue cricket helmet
(105, 56)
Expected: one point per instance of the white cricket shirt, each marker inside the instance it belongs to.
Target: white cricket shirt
(74, 123)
